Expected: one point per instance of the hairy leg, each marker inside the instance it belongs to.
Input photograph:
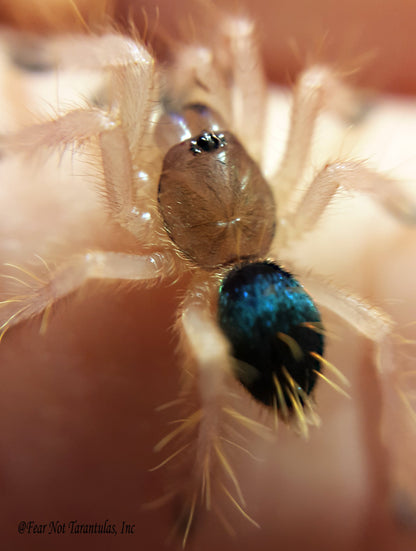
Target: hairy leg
(351, 176)
(396, 386)
(316, 89)
(37, 294)
(213, 429)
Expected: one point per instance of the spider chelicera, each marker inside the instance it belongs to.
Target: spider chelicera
(179, 152)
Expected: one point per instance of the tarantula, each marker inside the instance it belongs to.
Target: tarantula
(180, 148)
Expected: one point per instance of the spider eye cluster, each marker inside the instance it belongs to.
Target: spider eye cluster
(207, 141)
(275, 332)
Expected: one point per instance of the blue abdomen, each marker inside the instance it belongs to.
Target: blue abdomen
(275, 332)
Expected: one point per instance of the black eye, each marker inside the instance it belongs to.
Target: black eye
(208, 141)
(275, 332)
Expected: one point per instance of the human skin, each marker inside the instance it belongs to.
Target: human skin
(78, 420)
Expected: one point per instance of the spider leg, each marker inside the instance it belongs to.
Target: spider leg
(129, 206)
(352, 176)
(129, 87)
(248, 82)
(122, 129)
(132, 88)
(368, 320)
(207, 344)
(396, 382)
(39, 294)
(316, 88)
(204, 343)
(227, 76)
(210, 392)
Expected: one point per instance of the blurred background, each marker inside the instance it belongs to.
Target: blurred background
(376, 37)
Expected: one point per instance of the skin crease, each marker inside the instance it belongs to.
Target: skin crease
(77, 405)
